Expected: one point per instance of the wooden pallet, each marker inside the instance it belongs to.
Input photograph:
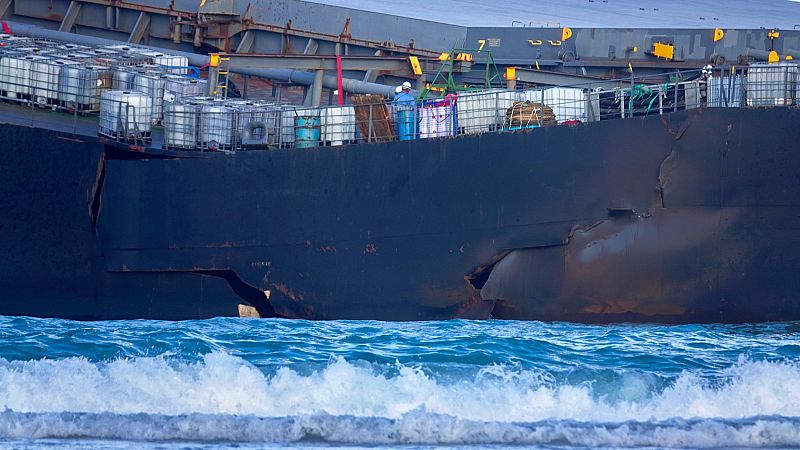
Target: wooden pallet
(373, 118)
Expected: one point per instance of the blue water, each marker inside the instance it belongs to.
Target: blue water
(241, 383)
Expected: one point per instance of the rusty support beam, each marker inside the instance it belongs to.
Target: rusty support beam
(69, 18)
(140, 28)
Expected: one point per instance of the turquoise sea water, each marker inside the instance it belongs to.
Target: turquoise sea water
(240, 383)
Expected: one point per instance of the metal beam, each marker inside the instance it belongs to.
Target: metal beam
(137, 34)
(563, 79)
(395, 64)
(315, 92)
(372, 75)
(4, 6)
(313, 62)
(311, 47)
(246, 44)
(69, 18)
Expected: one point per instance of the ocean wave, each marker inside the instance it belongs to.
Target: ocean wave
(224, 384)
(416, 427)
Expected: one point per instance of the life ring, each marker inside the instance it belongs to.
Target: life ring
(254, 133)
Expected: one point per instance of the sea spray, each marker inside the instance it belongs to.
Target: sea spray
(270, 382)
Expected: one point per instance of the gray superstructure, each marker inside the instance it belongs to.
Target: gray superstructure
(602, 29)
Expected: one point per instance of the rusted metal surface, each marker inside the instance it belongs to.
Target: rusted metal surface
(715, 245)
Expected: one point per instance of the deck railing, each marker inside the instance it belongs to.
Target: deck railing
(135, 89)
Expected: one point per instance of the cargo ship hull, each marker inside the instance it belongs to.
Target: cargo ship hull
(685, 217)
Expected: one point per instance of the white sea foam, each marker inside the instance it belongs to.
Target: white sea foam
(224, 384)
(416, 427)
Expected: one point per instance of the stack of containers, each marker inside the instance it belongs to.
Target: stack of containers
(125, 115)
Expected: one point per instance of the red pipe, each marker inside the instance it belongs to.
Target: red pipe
(339, 80)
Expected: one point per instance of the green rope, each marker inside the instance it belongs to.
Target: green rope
(639, 91)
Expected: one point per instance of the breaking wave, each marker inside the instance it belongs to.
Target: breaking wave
(224, 397)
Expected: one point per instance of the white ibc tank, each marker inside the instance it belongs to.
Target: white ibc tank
(181, 124)
(152, 84)
(482, 111)
(217, 126)
(177, 87)
(80, 86)
(15, 74)
(125, 113)
(725, 91)
(44, 79)
(771, 84)
(123, 78)
(567, 103)
(171, 63)
(338, 124)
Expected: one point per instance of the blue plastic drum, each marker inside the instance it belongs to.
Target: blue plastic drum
(406, 127)
(306, 131)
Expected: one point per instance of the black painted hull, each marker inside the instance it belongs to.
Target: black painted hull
(687, 217)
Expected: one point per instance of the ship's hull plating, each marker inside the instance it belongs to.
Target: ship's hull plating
(687, 217)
